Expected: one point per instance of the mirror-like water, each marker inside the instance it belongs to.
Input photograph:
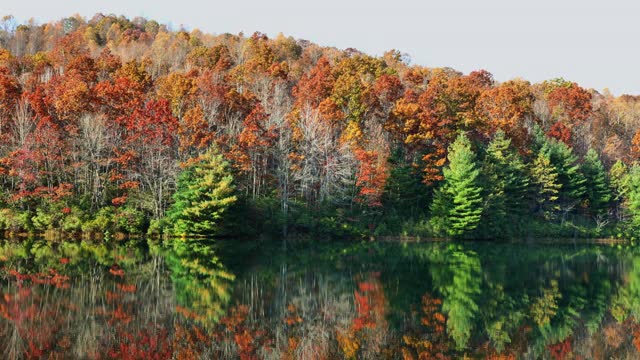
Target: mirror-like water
(190, 299)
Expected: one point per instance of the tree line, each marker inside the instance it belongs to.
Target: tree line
(116, 124)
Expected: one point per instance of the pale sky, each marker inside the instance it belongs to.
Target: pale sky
(594, 43)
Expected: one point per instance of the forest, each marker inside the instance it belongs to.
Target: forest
(116, 125)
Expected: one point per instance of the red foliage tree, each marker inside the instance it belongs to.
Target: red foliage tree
(314, 86)
(251, 152)
(506, 107)
(572, 104)
(635, 146)
(448, 104)
(561, 132)
(10, 91)
(371, 177)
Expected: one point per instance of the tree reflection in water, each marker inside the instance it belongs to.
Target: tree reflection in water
(195, 299)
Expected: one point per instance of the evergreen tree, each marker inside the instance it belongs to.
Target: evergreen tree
(598, 192)
(440, 211)
(540, 139)
(632, 192)
(404, 192)
(458, 204)
(617, 177)
(546, 187)
(569, 174)
(204, 192)
(505, 187)
(461, 294)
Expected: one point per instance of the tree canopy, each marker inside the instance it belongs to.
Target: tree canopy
(97, 117)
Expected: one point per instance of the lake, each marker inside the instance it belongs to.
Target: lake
(194, 299)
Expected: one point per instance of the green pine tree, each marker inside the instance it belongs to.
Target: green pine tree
(461, 294)
(598, 192)
(204, 192)
(440, 211)
(404, 192)
(505, 187)
(544, 179)
(617, 177)
(569, 174)
(632, 195)
(458, 204)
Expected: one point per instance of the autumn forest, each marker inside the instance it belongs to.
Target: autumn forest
(116, 125)
(167, 193)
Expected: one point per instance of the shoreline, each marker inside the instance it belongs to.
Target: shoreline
(61, 236)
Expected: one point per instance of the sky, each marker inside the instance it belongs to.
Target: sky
(593, 43)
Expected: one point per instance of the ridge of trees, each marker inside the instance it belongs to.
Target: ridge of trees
(98, 117)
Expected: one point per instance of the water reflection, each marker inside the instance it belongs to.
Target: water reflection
(201, 283)
(196, 299)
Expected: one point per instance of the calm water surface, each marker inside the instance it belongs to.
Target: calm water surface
(245, 300)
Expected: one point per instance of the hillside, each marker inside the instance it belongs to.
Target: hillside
(99, 117)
